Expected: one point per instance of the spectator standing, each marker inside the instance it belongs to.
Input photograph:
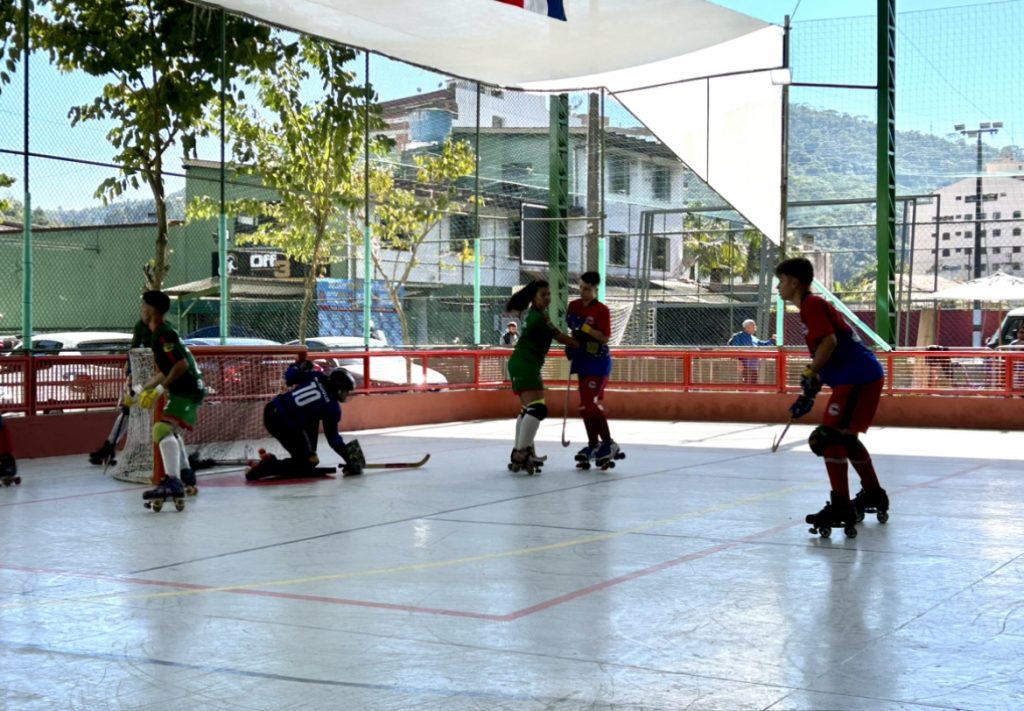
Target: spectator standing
(747, 338)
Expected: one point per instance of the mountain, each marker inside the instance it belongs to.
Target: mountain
(122, 212)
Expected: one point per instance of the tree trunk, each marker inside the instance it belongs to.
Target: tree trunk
(309, 289)
(156, 272)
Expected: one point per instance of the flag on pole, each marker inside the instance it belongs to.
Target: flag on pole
(552, 8)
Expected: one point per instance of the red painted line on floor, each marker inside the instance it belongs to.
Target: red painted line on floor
(509, 617)
(643, 572)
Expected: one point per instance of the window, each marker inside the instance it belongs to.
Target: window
(618, 250)
(1016, 213)
(661, 182)
(959, 197)
(515, 238)
(996, 250)
(957, 234)
(945, 235)
(933, 251)
(1016, 232)
(659, 254)
(460, 231)
(997, 233)
(968, 233)
(618, 174)
(1016, 250)
(983, 216)
(968, 250)
(997, 215)
(958, 250)
(945, 252)
(497, 122)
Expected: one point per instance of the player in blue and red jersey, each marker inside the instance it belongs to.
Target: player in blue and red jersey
(841, 361)
(591, 325)
(294, 418)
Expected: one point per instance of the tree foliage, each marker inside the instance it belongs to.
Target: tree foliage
(306, 152)
(163, 66)
(405, 212)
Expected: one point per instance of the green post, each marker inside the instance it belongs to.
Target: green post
(222, 223)
(885, 287)
(367, 246)
(602, 267)
(476, 227)
(558, 207)
(26, 283)
(780, 322)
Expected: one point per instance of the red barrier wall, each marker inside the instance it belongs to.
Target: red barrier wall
(78, 433)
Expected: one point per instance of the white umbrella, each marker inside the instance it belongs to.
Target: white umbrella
(995, 287)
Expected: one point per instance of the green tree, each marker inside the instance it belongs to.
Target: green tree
(6, 205)
(162, 60)
(717, 255)
(404, 213)
(306, 152)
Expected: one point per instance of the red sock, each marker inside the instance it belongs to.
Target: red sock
(837, 467)
(861, 461)
(592, 429)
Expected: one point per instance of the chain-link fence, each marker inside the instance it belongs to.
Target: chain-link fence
(440, 190)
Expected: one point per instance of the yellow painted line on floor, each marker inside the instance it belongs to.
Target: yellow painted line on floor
(417, 567)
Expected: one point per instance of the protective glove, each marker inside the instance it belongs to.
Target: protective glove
(575, 321)
(801, 406)
(147, 398)
(810, 382)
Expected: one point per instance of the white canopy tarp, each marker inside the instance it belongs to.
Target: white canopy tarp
(696, 74)
(996, 287)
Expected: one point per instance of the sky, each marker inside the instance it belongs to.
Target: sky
(959, 62)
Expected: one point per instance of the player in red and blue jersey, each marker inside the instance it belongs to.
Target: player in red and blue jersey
(841, 361)
(294, 418)
(591, 325)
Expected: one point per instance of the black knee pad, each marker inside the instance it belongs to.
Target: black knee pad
(537, 410)
(822, 437)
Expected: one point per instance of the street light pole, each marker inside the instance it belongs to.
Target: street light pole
(982, 129)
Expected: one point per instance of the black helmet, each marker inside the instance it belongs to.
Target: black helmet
(340, 381)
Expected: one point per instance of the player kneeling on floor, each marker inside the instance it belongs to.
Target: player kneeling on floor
(294, 418)
(8, 467)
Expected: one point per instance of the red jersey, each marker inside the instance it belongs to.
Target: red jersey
(851, 362)
(591, 358)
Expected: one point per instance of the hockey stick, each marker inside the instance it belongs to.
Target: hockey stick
(777, 442)
(398, 465)
(565, 412)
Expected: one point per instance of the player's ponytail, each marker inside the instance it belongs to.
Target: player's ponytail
(522, 299)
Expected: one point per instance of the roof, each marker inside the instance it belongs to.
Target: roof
(241, 288)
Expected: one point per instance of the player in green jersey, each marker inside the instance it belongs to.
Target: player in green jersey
(524, 368)
(178, 376)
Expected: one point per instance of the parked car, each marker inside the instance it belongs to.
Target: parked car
(239, 375)
(384, 370)
(62, 386)
(1009, 330)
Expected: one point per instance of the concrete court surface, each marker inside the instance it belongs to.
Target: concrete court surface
(684, 578)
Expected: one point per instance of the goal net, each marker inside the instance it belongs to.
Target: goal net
(229, 428)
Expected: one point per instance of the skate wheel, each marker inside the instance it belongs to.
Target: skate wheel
(620, 455)
(511, 467)
(825, 531)
(17, 480)
(850, 531)
(883, 516)
(191, 490)
(157, 504)
(860, 516)
(179, 504)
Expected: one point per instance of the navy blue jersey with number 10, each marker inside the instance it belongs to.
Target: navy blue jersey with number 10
(308, 405)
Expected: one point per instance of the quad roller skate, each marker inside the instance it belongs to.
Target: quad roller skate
(168, 488)
(104, 456)
(585, 456)
(526, 460)
(606, 455)
(188, 478)
(874, 501)
(8, 470)
(837, 513)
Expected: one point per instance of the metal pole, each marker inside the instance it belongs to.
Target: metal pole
(885, 236)
(784, 177)
(476, 229)
(602, 267)
(367, 252)
(976, 330)
(910, 278)
(26, 303)
(222, 223)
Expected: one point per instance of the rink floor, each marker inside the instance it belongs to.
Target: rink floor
(684, 578)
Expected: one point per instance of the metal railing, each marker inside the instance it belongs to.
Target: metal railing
(52, 383)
